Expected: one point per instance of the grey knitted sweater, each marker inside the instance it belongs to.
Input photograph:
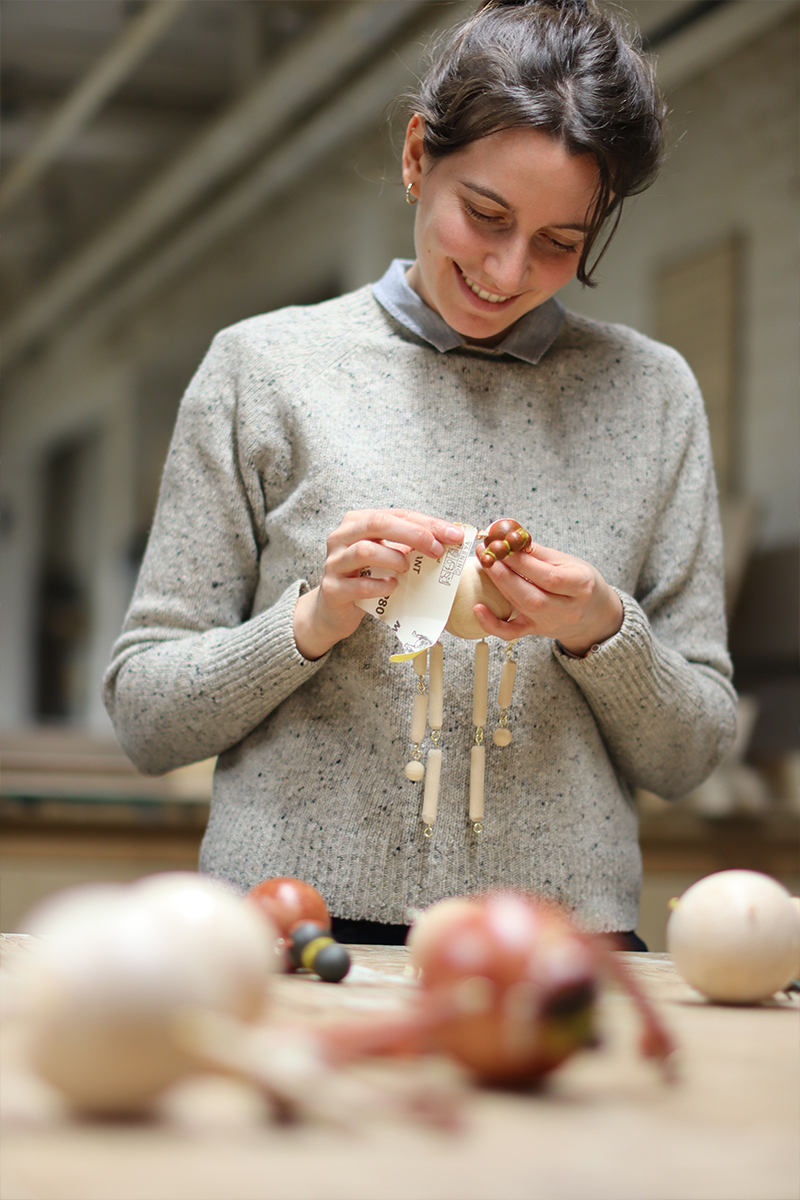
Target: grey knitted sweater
(601, 450)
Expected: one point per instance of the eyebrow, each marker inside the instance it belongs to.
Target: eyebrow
(490, 195)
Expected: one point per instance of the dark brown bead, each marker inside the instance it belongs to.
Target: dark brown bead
(501, 529)
(518, 539)
(501, 539)
(498, 549)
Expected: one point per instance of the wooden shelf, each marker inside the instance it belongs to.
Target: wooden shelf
(678, 840)
(63, 788)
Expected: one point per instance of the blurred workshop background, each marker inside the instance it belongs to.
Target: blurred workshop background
(171, 167)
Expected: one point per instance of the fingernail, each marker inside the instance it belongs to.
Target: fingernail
(453, 535)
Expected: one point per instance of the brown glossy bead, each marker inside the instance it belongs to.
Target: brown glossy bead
(500, 529)
(497, 549)
(502, 538)
(288, 901)
(518, 539)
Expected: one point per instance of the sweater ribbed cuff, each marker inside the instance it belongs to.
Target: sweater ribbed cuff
(267, 656)
(208, 691)
(630, 670)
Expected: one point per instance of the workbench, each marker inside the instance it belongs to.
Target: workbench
(74, 809)
(606, 1125)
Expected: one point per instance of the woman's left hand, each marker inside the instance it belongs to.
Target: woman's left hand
(556, 596)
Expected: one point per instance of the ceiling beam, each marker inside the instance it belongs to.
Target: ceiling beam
(329, 129)
(687, 53)
(88, 97)
(303, 76)
(714, 36)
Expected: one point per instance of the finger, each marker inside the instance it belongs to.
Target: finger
(520, 591)
(531, 550)
(545, 553)
(446, 532)
(342, 591)
(567, 577)
(373, 557)
(426, 534)
(543, 610)
(519, 626)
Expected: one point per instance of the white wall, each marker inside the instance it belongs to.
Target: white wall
(733, 168)
(336, 232)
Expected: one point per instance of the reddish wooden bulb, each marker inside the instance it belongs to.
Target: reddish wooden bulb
(502, 538)
(509, 965)
(288, 902)
(508, 988)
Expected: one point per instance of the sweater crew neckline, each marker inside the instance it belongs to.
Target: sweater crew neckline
(529, 338)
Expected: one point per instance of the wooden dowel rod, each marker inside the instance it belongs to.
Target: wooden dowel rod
(480, 685)
(506, 689)
(477, 777)
(436, 686)
(430, 800)
(419, 717)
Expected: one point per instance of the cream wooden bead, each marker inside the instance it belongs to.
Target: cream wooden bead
(414, 770)
(506, 689)
(433, 773)
(480, 686)
(502, 736)
(421, 663)
(419, 717)
(477, 777)
(436, 686)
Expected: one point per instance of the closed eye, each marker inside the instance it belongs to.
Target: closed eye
(480, 216)
(567, 247)
(498, 218)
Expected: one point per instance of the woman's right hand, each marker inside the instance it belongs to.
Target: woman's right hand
(365, 556)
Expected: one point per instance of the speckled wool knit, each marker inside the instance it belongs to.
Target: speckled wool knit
(600, 449)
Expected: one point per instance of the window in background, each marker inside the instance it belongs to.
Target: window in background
(70, 536)
(697, 312)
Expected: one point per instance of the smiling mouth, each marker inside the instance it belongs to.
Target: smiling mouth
(492, 297)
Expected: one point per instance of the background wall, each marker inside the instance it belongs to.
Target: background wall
(731, 172)
(181, 204)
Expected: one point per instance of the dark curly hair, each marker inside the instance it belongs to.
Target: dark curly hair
(562, 66)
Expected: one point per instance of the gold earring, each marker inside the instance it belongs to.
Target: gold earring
(412, 200)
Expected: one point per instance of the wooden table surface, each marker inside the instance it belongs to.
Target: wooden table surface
(605, 1126)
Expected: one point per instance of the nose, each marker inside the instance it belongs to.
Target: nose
(508, 266)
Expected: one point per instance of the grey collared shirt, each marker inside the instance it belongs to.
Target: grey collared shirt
(528, 339)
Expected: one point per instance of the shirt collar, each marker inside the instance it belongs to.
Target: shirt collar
(528, 339)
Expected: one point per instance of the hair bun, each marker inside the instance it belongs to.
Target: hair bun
(577, 5)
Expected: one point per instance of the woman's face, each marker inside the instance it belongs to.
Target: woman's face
(499, 226)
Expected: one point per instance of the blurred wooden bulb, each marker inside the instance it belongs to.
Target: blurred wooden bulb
(288, 901)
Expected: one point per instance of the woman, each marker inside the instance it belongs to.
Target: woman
(455, 389)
